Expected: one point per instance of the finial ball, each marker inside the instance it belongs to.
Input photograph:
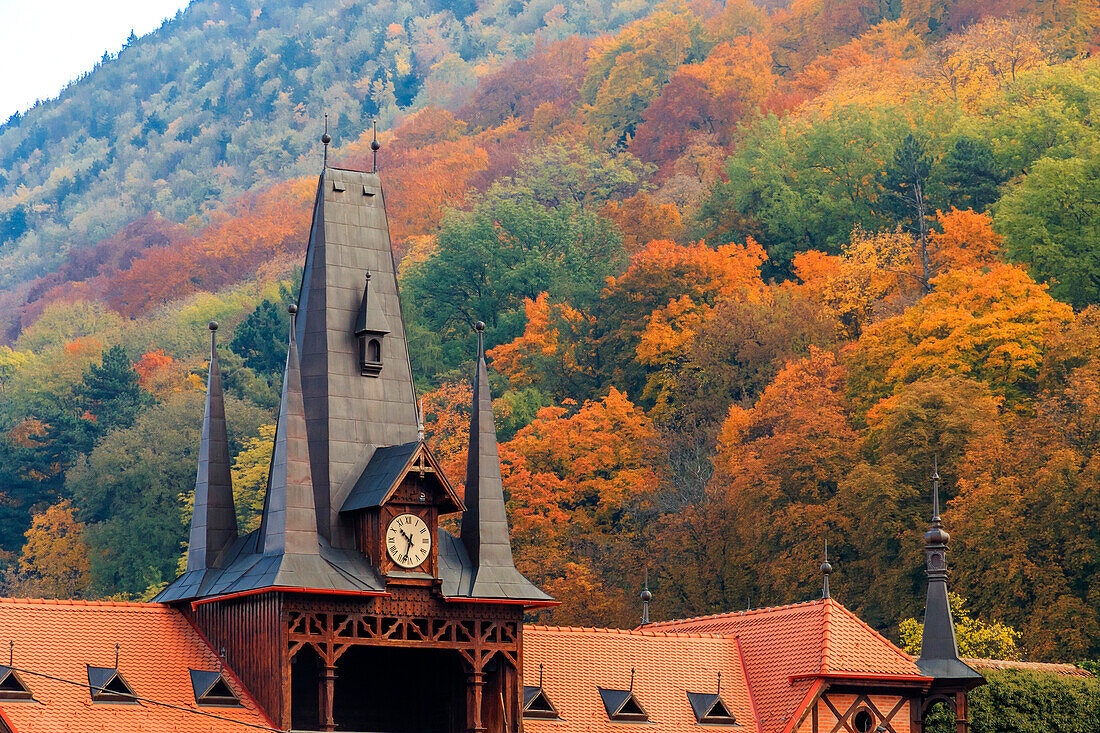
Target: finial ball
(826, 567)
(368, 275)
(374, 145)
(213, 325)
(479, 326)
(326, 139)
(292, 309)
(646, 595)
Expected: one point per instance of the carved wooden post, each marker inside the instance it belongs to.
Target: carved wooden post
(475, 688)
(326, 690)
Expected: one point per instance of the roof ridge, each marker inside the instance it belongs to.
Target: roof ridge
(826, 635)
(137, 605)
(731, 614)
(891, 645)
(629, 632)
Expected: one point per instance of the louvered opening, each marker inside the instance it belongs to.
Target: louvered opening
(11, 686)
(537, 705)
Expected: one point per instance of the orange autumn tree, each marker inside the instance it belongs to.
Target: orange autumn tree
(580, 482)
(447, 427)
(642, 219)
(773, 497)
(988, 325)
(967, 240)
(552, 353)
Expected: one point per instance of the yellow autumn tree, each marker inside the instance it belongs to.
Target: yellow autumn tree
(250, 469)
(55, 557)
(976, 638)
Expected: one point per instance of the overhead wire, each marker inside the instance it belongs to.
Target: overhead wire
(151, 701)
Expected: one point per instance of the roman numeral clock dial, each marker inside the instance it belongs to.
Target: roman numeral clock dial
(408, 540)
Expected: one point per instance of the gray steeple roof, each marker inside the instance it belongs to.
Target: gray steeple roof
(485, 533)
(349, 415)
(214, 522)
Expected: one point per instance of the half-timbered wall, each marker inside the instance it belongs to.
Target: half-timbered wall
(835, 712)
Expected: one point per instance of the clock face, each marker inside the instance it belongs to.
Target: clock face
(408, 540)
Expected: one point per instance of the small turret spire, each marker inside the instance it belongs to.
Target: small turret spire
(646, 597)
(485, 521)
(289, 523)
(214, 521)
(826, 570)
(939, 653)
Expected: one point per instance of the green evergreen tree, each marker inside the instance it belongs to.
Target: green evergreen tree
(971, 175)
(110, 392)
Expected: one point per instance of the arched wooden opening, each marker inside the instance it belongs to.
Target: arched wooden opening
(305, 691)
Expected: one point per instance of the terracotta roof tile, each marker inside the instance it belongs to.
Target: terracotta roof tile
(786, 646)
(158, 646)
(667, 666)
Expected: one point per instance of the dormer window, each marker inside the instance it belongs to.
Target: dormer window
(537, 705)
(370, 328)
(107, 684)
(710, 709)
(623, 706)
(11, 686)
(211, 689)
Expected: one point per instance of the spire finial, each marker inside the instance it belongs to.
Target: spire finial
(325, 140)
(540, 675)
(935, 488)
(826, 569)
(480, 328)
(11, 652)
(117, 647)
(719, 683)
(374, 146)
(632, 679)
(646, 597)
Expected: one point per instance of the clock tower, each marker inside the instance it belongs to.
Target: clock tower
(350, 608)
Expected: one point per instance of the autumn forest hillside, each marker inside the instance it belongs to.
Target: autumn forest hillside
(749, 271)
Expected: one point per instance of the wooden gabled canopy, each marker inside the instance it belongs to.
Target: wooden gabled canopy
(388, 467)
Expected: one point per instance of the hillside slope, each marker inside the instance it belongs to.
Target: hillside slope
(229, 95)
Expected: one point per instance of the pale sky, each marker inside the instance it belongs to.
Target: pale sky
(45, 44)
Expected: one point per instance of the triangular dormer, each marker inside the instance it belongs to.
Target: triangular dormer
(12, 686)
(212, 689)
(106, 684)
(536, 704)
(709, 708)
(622, 705)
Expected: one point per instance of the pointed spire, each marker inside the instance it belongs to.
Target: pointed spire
(214, 521)
(826, 570)
(325, 140)
(289, 523)
(939, 653)
(485, 522)
(646, 597)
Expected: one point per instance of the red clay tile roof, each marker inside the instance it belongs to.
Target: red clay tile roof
(158, 646)
(787, 648)
(1065, 670)
(667, 666)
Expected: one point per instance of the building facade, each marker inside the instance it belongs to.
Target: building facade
(351, 608)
